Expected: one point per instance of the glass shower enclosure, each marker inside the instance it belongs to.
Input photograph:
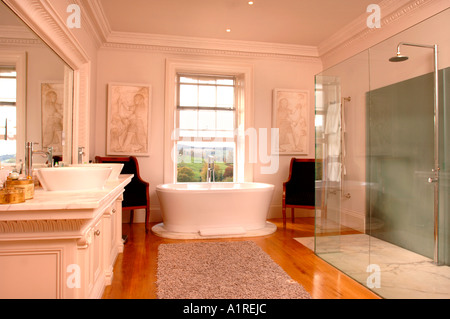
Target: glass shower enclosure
(383, 151)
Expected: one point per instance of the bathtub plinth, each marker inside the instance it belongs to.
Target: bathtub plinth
(160, 231)
(220, 231)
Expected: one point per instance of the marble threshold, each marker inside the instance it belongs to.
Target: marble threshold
(403, 274)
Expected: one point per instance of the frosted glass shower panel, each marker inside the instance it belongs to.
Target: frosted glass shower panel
(400, 136)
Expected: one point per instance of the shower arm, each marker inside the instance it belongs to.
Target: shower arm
(415, 45)
(436, 100)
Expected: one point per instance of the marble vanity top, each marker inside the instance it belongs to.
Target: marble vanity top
(63, 204)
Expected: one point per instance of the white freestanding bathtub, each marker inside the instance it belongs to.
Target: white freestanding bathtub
(197, 210)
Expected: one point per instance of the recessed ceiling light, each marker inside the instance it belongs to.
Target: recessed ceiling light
(228, 30)
(250, 2)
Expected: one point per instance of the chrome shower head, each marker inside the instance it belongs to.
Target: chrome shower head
(399, 58)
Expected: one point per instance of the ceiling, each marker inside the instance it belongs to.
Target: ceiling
(297, 22)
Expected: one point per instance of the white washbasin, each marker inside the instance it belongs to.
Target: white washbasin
(116, 168)
(73, 178)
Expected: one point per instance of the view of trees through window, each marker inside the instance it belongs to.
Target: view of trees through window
(193, 162)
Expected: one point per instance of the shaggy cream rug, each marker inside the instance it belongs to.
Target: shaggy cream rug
(222, 270)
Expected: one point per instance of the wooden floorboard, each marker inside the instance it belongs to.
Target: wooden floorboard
(135, 269)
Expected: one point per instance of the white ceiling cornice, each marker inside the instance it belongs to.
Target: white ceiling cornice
(16, 32)
(97, 18)
(397, 15)
(358, 28)
(44, 20)
(17, 35)
(391, 10)
(127, 39)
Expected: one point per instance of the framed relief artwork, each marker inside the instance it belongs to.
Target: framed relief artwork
(128, 120)
(52, 116)
(291, 116)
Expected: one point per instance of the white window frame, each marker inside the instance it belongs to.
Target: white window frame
(202, 107)
(19, 60)
(244, 110)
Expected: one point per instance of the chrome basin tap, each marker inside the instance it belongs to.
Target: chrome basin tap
(210, 174)
(29, 157)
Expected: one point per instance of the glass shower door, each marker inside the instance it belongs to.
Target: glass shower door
(340, 234)
(328, 154)
(444, 174)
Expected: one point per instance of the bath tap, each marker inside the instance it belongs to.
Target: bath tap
(80, 154)
(29, 157)
(210, 174)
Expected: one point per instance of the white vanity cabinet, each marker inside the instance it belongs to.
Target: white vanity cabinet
(61, 245)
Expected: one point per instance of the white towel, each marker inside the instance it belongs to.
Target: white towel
(334, 172)
(334, 145)
(333, 121)
(335, 130)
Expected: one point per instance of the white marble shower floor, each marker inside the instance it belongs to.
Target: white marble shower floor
(403, 274)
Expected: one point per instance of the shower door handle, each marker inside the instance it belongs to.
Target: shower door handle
(434, 179)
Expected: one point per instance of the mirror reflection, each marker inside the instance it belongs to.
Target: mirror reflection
(35, 96)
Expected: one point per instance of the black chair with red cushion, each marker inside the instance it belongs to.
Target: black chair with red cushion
(299, 189)
(136, 194)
